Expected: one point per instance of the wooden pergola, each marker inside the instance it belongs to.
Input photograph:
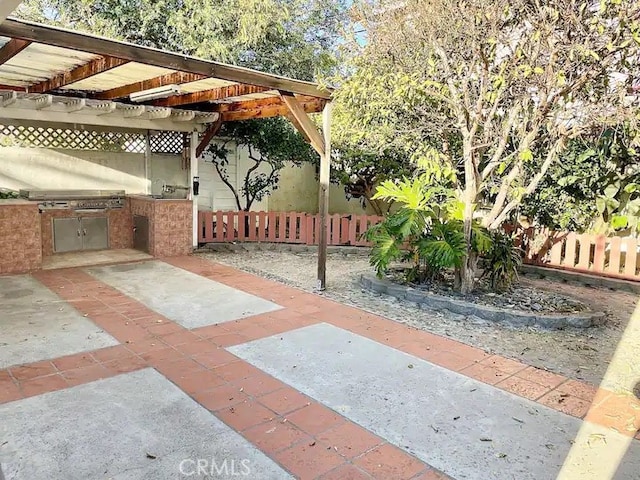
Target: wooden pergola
(50, 74)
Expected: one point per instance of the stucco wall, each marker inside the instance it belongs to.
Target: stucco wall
(298, 192)
(86, 169)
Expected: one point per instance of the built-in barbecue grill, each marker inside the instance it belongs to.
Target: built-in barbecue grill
(75, 199)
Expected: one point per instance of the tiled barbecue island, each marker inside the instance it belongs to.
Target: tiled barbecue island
(48, 223)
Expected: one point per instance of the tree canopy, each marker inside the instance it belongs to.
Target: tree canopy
(295, 38)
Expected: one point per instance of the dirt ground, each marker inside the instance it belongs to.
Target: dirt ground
(577, 353)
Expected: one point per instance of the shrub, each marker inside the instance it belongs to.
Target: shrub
(504, 260)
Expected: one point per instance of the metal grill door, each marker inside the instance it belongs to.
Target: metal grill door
(95, 233)
(67, 235)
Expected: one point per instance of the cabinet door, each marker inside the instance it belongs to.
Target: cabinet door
(141, 233)
(95, 233)
(67, 235)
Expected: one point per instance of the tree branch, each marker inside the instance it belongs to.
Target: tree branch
(551, 157)
(225, 180)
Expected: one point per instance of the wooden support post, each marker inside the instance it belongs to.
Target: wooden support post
(147, 163)
(193, 164)
(323, 200)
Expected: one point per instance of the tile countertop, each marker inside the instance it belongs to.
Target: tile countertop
(16, 202)
(150, 198)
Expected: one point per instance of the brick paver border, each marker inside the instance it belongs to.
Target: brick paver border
(303, 436)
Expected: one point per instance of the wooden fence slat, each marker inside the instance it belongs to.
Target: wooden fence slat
(219, 227)
(282, 227)
(614, 255)
(291, 227)
(262, 226)
(584, 260)
(351, 239)
(362, 227)
(308, 229)
(570, 250)
(300, 224)
(344, 230)
(231, 226)
(630, 257)
(206, 227)
(271, 226)
(556, 248)
(333, 235)
(598, 254)
(242, 234)
(252, 227)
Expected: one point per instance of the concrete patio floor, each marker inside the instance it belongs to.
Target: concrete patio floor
(197, 370)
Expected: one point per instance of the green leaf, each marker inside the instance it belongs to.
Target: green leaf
(526, 155)
(611, 191)
(619, 221)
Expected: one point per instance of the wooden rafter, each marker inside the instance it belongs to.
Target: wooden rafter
(59, 37)
(304, 123)
(210, 95)
(211, 131)
(11, 49)
(175, 78)
(94, 67)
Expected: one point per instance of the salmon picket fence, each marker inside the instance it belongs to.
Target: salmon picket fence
(282, 227)
(616, 257)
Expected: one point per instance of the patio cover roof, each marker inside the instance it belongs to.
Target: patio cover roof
(50, 74)
(36, 59)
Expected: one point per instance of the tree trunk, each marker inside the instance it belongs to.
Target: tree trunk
(469, 262)
(468, 273)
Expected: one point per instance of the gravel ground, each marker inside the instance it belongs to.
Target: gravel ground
(577, 353)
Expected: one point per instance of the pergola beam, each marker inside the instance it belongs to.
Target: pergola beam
(304, 123)
(210, 95)
(271, 108)
(11, 49)
(94, 67)
(175, 78)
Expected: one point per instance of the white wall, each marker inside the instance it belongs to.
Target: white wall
(214, 194)
(85, 169)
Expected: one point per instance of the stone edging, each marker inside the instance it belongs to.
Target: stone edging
(486, 312)
(282, 247)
